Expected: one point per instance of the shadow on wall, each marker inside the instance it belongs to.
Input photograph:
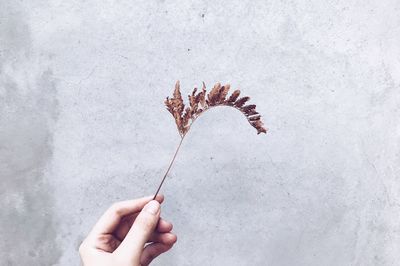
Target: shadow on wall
(28, 109)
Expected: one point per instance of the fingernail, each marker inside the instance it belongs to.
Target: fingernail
(152, 207)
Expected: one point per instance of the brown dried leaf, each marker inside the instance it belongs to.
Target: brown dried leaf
(202, 96)
(240, 102)
(213, 95)
(201, 101)
(223, 92)
(177, 99)
(251, 112)
(258, 124)
(255, 118)
(248, 107)
(192, 98)
(198, 104)
(193, 102)
(176, 106)
(185, 120)
(169, 105)
(233, 97)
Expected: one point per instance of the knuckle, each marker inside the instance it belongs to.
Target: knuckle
(115, 209)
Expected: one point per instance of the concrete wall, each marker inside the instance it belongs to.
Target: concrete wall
(82, 124)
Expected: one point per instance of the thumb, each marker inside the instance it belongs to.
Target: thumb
(144, 225)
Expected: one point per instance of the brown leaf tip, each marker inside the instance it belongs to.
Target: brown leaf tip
(201, 101)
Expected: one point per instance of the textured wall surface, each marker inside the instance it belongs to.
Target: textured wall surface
(82, 124)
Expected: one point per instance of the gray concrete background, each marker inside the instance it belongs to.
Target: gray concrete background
(83, 125)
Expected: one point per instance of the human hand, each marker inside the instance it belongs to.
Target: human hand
(120, 235)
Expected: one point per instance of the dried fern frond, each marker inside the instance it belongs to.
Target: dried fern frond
(201, 101)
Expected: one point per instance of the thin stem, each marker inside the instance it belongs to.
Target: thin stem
(180, 143)
(169, 167)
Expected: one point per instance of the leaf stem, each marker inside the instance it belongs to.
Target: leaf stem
(169, 167)
(182, 137)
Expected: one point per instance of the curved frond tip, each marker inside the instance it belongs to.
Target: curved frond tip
(201, 101)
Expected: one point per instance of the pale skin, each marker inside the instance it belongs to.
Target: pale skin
(129, 233)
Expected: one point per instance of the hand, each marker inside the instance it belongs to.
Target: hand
(120, 235)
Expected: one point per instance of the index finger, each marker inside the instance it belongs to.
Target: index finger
(110, 220)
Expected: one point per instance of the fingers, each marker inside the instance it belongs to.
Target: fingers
(110, 220)
(140, 232)
(151, 251)
(164, 238)
(163, 226)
